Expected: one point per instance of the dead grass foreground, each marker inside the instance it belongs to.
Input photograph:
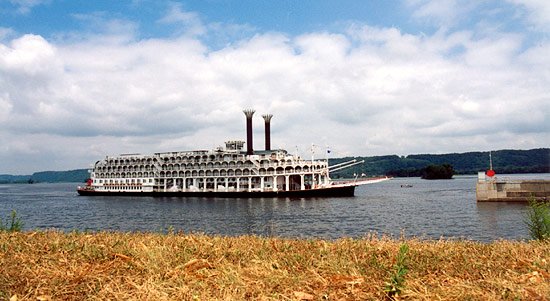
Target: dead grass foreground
(147, 266)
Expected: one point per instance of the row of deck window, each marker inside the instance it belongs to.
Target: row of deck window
(190, 158)
(126, 181)
(170, 167)
(202, 173)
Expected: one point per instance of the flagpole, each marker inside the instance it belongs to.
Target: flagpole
(312, 153)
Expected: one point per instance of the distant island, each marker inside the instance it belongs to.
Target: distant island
(504, 162)
(438, 172)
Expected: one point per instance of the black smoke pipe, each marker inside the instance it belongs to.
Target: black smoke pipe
(249, 144)
(267, 119)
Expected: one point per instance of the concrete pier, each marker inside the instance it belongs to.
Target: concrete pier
(493, 189)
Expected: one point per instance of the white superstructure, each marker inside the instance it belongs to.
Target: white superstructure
(226, 168)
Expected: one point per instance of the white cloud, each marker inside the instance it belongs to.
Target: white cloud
(5, 33)
(368, 91)
(490, 15)
(496, 50)
(25, 6)
(5, 107)
(442, 11)
(445, 13)
(190, 21)
(30, 54)
(538, 12)
(98, 28)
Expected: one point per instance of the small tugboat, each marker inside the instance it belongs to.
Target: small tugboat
(228, 171)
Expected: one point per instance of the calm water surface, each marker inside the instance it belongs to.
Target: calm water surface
(428, 209)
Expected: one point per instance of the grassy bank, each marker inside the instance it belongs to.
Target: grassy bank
(137, 266)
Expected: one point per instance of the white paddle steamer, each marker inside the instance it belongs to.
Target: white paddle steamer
(228, 171)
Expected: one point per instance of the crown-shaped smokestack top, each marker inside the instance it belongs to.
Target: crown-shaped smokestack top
(267, 119)
(249, 144)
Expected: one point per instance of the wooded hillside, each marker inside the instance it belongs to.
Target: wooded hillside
(77, 175)
(504, 161)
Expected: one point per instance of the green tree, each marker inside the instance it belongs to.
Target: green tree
(538, 219)
(444, 171)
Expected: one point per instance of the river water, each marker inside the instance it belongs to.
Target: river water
(428, 209)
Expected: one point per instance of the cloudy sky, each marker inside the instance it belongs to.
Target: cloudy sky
(82, 79)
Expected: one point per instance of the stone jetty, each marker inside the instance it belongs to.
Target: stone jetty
(496, 189)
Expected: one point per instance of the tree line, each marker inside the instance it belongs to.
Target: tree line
(504, 162)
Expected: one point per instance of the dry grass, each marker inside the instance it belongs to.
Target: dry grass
(148, 266)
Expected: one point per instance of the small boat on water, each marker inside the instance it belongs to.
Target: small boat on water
(228, 171)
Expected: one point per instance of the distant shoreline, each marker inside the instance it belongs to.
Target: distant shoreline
(26, 179)
(531, 161)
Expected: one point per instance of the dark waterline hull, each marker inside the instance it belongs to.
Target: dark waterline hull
(337, 191)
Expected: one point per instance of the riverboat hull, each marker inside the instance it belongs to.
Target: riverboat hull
(335, 191)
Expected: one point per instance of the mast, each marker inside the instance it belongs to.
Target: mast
(490, 161)
(490, 172)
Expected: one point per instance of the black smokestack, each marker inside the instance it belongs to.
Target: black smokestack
(249, 144)
(267, 118)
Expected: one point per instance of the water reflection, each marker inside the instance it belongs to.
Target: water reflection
(411, 206)
(501, 219)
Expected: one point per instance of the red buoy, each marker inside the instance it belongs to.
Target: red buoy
(490, 173)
